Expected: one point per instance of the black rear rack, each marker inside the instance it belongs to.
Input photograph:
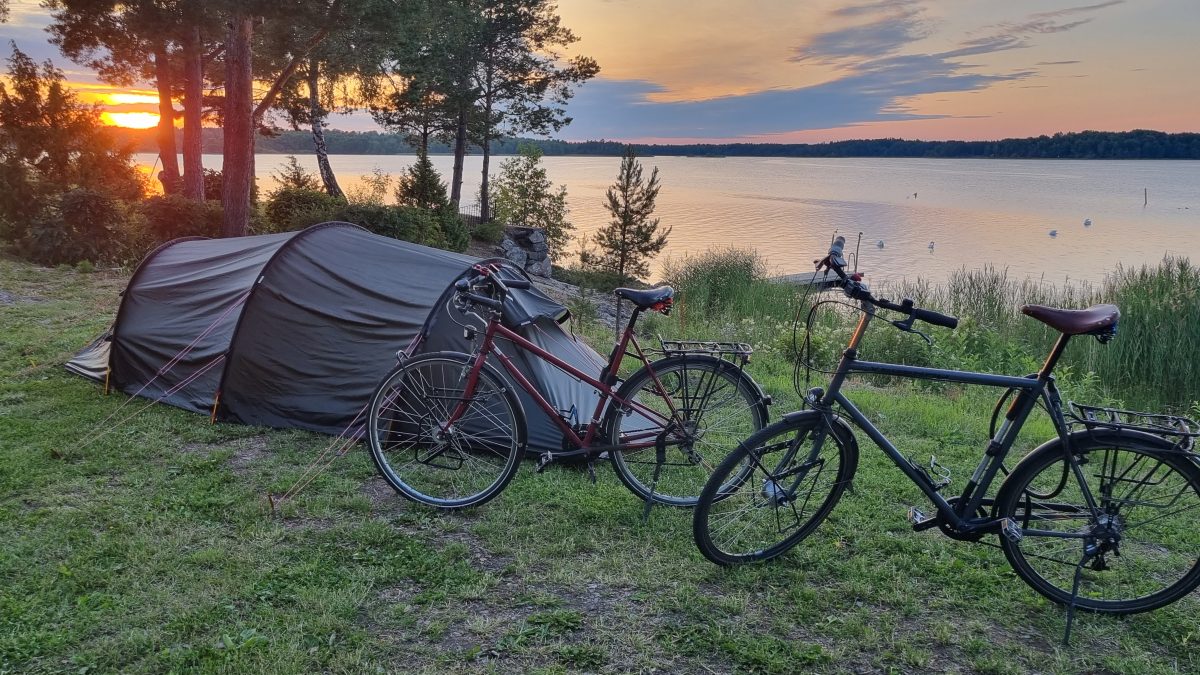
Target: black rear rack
(1182, 430)
(736, 352)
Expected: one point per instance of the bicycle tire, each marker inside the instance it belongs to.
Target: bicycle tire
(720, 405)
(762, 515)
(1144, 492)
(466, 465)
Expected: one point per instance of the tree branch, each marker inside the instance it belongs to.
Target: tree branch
(285, 75)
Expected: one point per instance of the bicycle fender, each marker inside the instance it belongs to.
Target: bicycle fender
(837, 425)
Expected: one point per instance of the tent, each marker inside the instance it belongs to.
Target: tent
(294, 330)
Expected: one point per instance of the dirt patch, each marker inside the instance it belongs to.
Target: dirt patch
(7, 298)
(247, 452)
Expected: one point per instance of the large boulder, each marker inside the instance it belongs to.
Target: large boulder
(526, 247)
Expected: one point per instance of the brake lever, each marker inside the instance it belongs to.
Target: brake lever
(907, 327)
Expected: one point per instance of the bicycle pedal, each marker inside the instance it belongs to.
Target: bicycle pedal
(919, 520)
(1010, 530)
(544, 460)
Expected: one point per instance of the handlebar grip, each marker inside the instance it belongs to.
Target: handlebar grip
(484, 300)
(518, 283)
(935, 318)
(835, 252)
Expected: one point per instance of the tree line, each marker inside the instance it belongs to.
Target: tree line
(455, 72)
(1139, 144)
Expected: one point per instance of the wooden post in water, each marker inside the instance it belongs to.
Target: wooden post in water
(1145, 196)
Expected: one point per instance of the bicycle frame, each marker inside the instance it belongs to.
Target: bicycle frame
(604, 385)
(1030, 389)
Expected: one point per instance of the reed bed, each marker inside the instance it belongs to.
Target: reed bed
(1154, 362)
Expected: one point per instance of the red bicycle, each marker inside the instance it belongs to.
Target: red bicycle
(446, 429)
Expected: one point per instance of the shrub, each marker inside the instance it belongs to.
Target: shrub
(491, 232)
(724, 280)
(455, 231)
(292, 175)
(84, 225)
(214, 181)
(294, 208)
(173, 216)
(421, 186)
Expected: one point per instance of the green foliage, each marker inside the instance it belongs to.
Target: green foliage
(372, 189)
(523, 195)
(631, 239)
(293, 176)
(421, 186)
(169, 217)
(214, 182)
(295, 208)
(82, 225)
(492, 231)
(58, 162)
(717, 280)
(440, 229)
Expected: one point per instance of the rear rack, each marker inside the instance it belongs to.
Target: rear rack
(1182, 430)
(736, 352)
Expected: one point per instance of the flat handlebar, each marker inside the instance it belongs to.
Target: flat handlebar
(857, 290)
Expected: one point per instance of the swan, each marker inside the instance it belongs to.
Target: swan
(931, 246)
(1087, 222)
(879, 243)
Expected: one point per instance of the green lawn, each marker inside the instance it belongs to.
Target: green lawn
(153, 549)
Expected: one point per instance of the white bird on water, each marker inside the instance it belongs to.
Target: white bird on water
(1053, 233)
(1087, 222)
(879, 243)
(931, 246)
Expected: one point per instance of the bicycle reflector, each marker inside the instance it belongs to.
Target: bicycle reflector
(663, 306)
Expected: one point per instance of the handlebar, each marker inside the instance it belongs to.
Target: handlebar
(481, 277)
(853, 286)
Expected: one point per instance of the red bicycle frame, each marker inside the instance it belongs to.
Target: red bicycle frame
(608, 377)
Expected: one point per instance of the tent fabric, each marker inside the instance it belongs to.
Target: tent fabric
(293, 330)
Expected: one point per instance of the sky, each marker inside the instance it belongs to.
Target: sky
(820, 70)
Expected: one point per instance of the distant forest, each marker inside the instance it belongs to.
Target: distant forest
(1138, 144)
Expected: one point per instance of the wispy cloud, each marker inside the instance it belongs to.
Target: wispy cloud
(892, 25)
(1056, 63)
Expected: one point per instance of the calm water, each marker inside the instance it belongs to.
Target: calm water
(977, 212)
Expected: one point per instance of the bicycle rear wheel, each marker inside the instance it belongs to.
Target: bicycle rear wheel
(1136, 551)
(774, 490)
(448, 467)
(695, 409)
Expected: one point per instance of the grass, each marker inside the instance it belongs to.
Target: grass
(154, 550)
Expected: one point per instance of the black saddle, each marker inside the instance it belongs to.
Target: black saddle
(647, 298)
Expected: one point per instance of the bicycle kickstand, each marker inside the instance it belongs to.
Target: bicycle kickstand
(660, 458)
(1074, 595)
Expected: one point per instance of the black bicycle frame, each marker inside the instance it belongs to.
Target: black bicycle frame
(1029, 390)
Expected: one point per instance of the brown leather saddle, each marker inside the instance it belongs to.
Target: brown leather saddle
(1094, 320)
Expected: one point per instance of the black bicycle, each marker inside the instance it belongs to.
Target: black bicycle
(1103, 517)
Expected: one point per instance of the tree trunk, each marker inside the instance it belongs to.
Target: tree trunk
(485, 205)
(238, 166)
(193, 111)
(318, 130)
(166, 123)
(460, 153)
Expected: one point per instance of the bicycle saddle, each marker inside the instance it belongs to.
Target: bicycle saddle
(647, 298)
(1094, 319)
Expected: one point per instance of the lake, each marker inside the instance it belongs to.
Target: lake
(975, 212)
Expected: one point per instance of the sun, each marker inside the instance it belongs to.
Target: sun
(131, 120)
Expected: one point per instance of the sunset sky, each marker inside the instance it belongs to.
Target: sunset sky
(818, 70)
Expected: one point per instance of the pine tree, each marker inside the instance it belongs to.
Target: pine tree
(632, 238)
(524, 196)
(421, 186)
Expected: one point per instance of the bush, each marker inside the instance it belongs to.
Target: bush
(491, 232)
(173, 216)
(454, 230)
(294, 208)
(84, 225)
(722, 280)
(214, 182)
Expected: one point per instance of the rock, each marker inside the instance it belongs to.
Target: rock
(540, 268)
(518, 257)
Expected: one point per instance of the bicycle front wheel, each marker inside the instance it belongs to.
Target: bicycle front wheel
(1134, 547)
(426, 458)
(681, 416)
(774, 490)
